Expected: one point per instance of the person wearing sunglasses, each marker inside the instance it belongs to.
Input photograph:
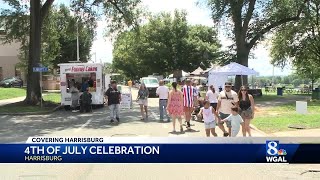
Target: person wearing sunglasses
(227, 99)
(246, 104)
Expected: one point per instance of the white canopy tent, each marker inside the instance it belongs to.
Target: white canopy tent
(184, 74)
(218, 77)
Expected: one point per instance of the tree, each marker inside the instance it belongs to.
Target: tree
(58, 38)
(299, 44)
(120, 14)
(165, 44)
(248, 21)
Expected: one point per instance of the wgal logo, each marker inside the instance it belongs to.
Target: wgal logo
(274, 153)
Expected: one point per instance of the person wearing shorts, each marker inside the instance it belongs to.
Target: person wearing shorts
(212, 97)
(227, 99)
(246, 105)
(188, 101)
(236, 121)
(209, 115)
(142, 98)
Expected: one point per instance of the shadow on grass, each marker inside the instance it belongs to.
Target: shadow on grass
(21, 107)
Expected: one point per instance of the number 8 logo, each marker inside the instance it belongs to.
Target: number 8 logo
(272, 148)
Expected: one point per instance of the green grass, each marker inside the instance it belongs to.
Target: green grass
(9, 93)
(53, 97)
(51, 100)
(278, 118)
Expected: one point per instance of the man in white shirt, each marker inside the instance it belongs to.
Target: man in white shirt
(163, 93)
(227, 99)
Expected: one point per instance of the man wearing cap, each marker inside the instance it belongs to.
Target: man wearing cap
(227, 99)
(188, 101)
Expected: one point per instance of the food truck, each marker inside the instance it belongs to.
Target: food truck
(80, 73)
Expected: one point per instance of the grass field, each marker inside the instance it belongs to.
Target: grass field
(9, 93)
(278, 118)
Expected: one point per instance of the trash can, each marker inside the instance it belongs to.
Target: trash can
(316, 94)
(279, 91)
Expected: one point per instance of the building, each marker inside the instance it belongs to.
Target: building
(9, 60)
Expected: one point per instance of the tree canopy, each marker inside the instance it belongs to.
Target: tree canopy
(247, 22)
(299, 43)
(165, 44)
(120, 15)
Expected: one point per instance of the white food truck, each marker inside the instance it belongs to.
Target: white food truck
(80, 73)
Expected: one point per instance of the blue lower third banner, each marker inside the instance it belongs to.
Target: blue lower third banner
(270, 152)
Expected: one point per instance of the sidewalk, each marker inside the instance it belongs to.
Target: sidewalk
(10, 101)
(298, 133)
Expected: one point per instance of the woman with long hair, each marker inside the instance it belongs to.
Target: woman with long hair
(247, 107)
(175, 106)
(212, 97)
(142, 98)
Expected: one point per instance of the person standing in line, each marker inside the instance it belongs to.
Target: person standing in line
(196, 93)
(246, 104)
(212, 97)
(86, 101)
(74, 96)
(175, 106)
(227, 99)
(188, 101)
(85, 85)
(142, 98)
(209, 115)
(130, 84)
(163, 93)
(113, 97)
(236, 121)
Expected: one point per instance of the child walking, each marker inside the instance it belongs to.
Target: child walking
(209, 114)
(236, 121)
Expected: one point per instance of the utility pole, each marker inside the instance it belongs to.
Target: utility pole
(78, 53)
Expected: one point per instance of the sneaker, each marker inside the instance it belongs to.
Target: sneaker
(111, 121)
(118, 119)
(188, 124)
(225, 134)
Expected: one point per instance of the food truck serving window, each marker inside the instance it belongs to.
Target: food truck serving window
(81, 81)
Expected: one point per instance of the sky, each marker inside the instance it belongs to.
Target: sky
(102, 47)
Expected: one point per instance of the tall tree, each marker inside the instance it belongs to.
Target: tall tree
(119, 13)
(165, 44)
(299, 44)
(248, 21)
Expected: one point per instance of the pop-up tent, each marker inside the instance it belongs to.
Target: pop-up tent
(184, 74)
(218, 77)
(197, 72)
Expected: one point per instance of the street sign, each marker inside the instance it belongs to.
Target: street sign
(40, 69)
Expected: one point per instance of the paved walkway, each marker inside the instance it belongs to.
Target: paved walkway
(10, 101)
(298, 133)
(281, 101)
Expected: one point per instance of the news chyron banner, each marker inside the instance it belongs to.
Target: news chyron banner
(161, 150)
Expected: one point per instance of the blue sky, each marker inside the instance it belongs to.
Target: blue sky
(102, 46)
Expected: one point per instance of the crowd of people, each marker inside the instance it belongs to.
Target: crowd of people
(225, 108)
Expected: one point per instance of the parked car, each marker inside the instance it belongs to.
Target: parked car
(12, 82)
